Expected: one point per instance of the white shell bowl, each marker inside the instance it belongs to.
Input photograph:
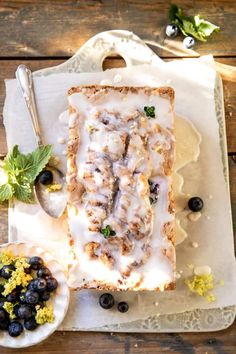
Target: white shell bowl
(59, 301)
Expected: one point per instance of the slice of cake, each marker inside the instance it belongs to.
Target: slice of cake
(120, 202)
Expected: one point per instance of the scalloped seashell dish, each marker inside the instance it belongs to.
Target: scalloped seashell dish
(59, 301)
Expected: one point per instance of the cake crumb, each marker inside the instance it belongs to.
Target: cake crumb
(136, 345)
(195, 244)
(156, 303)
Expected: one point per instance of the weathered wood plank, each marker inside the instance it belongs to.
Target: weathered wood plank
(59, 28)
(8, 68)
(121, 343)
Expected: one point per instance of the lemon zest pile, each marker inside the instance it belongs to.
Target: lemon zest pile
(18, 276)
(6, 258)
(54, 187)
(9, 307)
(201, 284)
(44, 315)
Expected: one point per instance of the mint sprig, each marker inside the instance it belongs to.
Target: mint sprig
(107, 232)
(21, 171)
(192, 25)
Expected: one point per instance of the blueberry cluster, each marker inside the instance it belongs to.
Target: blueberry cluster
(107, 301)
(24, 302)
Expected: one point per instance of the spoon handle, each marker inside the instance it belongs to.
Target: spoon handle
(25, 79)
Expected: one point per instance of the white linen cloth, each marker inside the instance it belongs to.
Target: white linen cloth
(194, 84)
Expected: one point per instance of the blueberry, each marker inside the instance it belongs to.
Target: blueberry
(15, 310)
(1, 288)
(52, 284)
(44, 296)
(24, 311)
(30, 324)
(6, 271)
(123, 307)
(172, 30)
(22, 298)
(31, 297)
(4, 324)
(40, 284)
(27, 270)
(44, 273)
(45, 177)
(195, 204)
(189, 42)
(13, 296)
(32, 285)
(2, 315)
(15, 329)
(106, 301)
(154, 192)
(36, 263)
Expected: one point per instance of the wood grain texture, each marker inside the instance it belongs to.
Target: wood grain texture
(223, 342)
(35, 31)
(58, 28)
(8, 68)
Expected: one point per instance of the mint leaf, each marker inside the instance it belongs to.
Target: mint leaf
(39, 158)
(150, 111)
(206, 28)
(107, 232)
(189, 25)
(22, 171)
(24, 193)
(6, 192)
(189, 28)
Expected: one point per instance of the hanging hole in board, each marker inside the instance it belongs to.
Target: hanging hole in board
(113, 61)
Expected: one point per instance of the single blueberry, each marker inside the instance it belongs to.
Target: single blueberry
(24, 311)
(2, 315)
(15, 329)
(44, 273)
(44, 296)
(195, 204)
(189, 42)
(31, 297)
(40, 284)
(52, 284)
(6, 271)
(172, 30)
(30, 324)
(106, 301)
(45, 177)
(36, 263)
(123, 307)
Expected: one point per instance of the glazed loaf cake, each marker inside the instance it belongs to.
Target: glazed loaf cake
(120, 203)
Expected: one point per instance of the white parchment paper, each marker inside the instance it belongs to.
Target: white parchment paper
(194, 82)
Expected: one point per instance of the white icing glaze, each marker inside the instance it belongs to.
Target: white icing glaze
(188, 141)
(194, 216)
(158, 270)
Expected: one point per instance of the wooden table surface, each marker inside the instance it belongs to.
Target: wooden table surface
(44, 33)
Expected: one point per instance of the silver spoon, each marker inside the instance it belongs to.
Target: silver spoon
(53, 203)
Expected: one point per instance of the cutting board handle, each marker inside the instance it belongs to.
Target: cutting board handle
(90, 57)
